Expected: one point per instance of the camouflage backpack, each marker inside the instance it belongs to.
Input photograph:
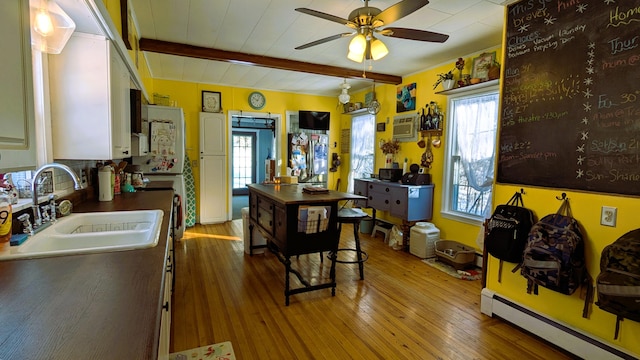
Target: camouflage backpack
(554, 256)
(618, 283)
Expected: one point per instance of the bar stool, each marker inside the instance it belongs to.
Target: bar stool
(352, 216)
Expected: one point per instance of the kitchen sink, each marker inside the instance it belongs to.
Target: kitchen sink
(84, 233)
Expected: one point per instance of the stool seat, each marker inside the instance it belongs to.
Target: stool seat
(352, 216)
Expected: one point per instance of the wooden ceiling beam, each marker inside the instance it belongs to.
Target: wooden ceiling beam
(198, 52)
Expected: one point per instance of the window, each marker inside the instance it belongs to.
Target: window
(362, 147)
(470, 155)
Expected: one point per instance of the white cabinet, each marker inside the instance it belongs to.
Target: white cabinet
(89, 87)
(213, 169)
(17, 137)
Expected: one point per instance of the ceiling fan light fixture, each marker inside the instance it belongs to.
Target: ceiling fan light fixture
(357, 57)
(378, 49)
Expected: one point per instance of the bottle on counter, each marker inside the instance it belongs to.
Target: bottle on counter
(6, 215)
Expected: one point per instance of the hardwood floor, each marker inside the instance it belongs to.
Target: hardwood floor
(403, 309)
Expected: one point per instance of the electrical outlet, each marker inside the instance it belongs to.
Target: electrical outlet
(194, 163)
(608, 216)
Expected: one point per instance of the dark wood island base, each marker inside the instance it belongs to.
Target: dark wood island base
(296, 223)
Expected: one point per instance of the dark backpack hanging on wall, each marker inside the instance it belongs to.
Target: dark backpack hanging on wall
(508, 230)
(618, 283)
(554, 256)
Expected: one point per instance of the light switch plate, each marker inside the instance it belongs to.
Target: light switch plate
(608, 216)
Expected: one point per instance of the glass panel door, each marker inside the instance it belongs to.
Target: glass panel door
(244, 159)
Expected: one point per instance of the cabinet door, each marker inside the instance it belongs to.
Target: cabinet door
(213, 208)
(120, 105)
(79, 92)
(17, 137)
(212, 134)
(400, 200)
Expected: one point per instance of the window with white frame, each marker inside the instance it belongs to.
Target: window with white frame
(362, 148)
(470, 154)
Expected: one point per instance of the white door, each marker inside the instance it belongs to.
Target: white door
(213, 187)
(212, 134)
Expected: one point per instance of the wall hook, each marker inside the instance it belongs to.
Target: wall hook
(564, 197)
(522, 191)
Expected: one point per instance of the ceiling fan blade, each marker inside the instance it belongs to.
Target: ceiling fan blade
(398, 11)
(324, 40)
(413, 34)
(329, 17)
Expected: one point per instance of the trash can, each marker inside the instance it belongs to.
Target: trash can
(258, 239)
(366, 225)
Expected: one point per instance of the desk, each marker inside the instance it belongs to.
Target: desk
(410, 203)
(275, 210)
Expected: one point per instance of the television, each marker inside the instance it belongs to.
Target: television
(313, 120)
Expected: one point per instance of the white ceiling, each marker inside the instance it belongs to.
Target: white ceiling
(273, 28)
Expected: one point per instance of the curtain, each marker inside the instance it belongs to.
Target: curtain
(476, 135)
(362, 148)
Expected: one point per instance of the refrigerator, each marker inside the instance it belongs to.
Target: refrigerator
(165, 160)
(308, 157)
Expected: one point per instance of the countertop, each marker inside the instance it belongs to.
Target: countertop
(292, 194)
(96, 306)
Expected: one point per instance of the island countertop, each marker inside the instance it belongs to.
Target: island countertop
(292, 194)
(94, 306)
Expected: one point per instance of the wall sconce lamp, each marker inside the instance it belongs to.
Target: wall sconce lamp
(51, 27)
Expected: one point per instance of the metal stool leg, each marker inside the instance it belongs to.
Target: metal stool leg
(356, 227)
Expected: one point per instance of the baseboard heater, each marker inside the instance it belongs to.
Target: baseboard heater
(561, 335)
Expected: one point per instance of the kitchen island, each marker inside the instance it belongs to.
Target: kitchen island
(296, 223)
(95, 306)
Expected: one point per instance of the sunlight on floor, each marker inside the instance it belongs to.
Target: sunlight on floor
(194, 235)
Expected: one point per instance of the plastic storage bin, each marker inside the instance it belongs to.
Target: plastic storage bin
(455, 254)
(422, 239)
(258, 239)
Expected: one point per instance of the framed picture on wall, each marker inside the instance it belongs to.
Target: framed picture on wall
(211, 101)
(481, 65)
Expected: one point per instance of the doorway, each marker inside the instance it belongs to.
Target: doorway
(244, 159)
(253, 138)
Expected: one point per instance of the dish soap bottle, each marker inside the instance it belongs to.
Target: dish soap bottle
(5, 222)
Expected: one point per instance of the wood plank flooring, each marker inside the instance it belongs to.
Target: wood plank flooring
(403, 309)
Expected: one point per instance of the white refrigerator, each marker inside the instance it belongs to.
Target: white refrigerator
(213, 199)
(165, 161)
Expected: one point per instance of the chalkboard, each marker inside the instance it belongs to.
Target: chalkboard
(570, 115)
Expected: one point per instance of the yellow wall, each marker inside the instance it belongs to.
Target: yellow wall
(188, 96)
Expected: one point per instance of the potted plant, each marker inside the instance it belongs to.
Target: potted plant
(446, 79)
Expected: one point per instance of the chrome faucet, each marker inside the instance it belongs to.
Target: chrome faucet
(37, 218)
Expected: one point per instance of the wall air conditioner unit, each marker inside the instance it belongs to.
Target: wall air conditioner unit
(405, 127)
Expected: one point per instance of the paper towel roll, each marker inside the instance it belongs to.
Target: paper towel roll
(104, 184)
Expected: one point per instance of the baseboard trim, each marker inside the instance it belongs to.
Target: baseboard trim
(564, 336)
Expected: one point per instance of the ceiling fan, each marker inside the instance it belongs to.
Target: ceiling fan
(366, 21)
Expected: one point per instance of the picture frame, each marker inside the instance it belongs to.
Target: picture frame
(211, 101)
(480, 68)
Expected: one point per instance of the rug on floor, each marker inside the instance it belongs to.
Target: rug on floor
(220, 351)
(468, 274)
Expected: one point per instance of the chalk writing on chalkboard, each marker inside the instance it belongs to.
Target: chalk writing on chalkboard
(570, 115)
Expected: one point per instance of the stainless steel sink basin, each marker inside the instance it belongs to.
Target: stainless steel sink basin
(83, 233)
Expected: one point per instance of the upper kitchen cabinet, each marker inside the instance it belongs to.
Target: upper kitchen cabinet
(17, 138)
(90, 111)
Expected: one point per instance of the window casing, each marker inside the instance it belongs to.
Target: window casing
(470, 155)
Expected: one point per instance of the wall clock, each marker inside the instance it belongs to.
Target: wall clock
(257, 100)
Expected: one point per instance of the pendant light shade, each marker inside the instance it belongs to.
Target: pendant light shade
(378, 49)
(51, 27)
(344, 96)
